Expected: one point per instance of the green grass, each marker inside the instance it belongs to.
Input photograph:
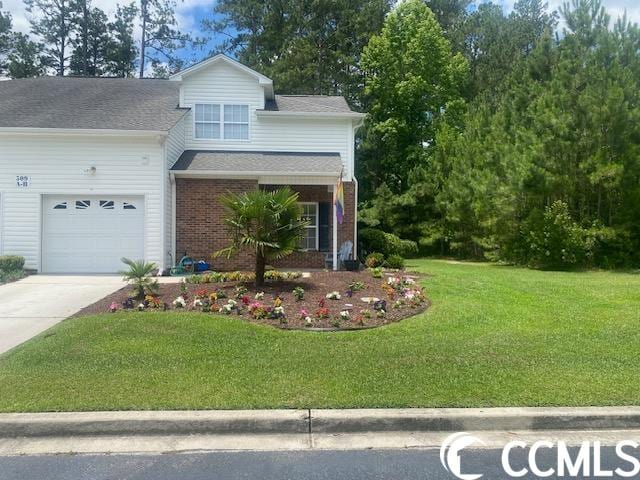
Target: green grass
(495, 336)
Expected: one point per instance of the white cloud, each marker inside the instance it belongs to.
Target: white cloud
(186, 20)
(615, 8)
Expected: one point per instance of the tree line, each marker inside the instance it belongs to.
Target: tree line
(72, 37)
(488, 135)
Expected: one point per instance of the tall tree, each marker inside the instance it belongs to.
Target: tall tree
(5, 39)
(310, 46)
(26, 58)
(54, 21)
(89, 56)
(557, 155)
(160, 36)
(494, 43)
(122, 51)
(412, 78)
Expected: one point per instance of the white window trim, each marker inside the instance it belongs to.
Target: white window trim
(221, 139)
(317, 226)
(219, 122)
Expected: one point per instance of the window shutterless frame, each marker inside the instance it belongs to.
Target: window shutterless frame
(229, 115)
(315, 226)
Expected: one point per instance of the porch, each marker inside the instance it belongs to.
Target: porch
(200, 178)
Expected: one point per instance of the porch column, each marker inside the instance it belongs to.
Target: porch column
(335, 233)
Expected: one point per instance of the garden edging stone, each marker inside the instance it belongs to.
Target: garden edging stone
(315, 421)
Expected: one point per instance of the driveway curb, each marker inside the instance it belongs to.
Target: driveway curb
(133, 423)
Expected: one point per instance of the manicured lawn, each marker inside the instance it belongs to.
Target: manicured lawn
(494, 336)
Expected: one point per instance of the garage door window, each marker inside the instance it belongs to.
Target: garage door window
(60, 206)
(129, 206)
(107, 204)
(83, 204)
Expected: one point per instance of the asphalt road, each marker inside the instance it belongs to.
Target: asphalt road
(294, 465)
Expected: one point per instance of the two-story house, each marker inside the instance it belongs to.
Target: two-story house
(95, 169)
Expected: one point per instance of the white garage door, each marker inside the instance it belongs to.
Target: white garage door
(89, 234)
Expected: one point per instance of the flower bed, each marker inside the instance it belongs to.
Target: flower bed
(324, 300)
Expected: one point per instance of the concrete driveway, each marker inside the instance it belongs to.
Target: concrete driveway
(35, 303)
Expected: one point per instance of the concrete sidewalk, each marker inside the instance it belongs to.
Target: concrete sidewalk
(171, 431)
(33, 304)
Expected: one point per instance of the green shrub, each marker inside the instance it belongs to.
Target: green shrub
(558, 242)
(11, 263)
(374, 260)
(374, 240)
(395, 261)
(10, 275)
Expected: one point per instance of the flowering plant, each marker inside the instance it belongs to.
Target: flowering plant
(380, 305)
(241, 290)
(245, 300)
(335, 295)
(344, 315)
(141, 306)
(278, 313)
(179, 302)
(258, 310)
(152, 301)
(113, 308)
(298, 293)
(228, 307)
(322, 312)
(201, 293)
(259, 296)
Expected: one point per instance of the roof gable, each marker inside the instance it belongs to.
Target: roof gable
(263, 81)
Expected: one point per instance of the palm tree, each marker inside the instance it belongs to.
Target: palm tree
(269, 223)
(139, 275)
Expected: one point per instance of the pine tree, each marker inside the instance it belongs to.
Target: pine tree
(54, 21)
(160, 37)
(26, 59)
(89, 56)
(5, 39)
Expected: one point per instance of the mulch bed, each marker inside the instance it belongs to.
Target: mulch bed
(298, 314)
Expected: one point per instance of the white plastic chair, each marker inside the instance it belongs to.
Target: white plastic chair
(343, 254)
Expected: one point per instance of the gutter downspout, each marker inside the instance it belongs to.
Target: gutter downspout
(172, 180)
(356, 126)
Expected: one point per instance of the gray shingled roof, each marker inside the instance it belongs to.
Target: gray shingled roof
(259, 162)
(308, 103)
(90, 103)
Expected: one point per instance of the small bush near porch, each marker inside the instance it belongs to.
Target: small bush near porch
(494, 336)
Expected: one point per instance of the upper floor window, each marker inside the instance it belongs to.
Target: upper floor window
(207, 120)
(234, 124)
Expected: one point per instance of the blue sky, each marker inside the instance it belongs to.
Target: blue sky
(191, 12)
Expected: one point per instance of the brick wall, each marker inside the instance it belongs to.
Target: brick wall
(200, 229)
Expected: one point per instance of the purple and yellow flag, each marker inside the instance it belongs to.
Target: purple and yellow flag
(338, 200)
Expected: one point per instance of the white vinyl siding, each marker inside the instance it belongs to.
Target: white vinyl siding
(173, 149)
(310, 238)
(59, 165)
(223, 84)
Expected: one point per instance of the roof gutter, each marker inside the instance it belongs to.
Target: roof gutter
(280, 113)
(245, 174)
(82, 131)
